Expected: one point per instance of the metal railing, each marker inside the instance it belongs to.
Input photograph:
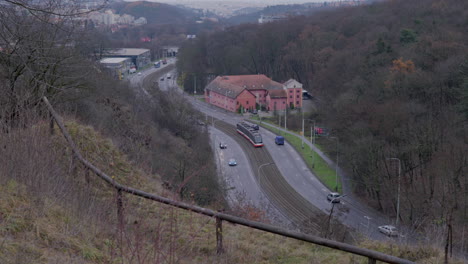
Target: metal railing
(371, 255)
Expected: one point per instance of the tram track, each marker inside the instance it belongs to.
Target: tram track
(295, 207)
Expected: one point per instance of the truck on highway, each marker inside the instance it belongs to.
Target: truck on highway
(279, 140)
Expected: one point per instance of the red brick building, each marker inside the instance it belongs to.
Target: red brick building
(253, 91)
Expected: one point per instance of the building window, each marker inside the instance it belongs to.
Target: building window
(290, 91)
(284, 102)
(297, 102)
(237, 103)
(247, 102)
(290, 96)
(297, 96)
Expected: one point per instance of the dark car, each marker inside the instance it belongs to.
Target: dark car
(254, 111)
(222, 145)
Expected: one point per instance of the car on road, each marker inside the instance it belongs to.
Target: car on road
(162, 79)
(232, 162)
(388, 230)
(222, 145)
(254, 111)
(139, 73)
(279, 140)
(334, 197)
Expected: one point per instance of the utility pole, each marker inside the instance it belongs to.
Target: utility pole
(285, 116)
(194, 84)
(302, 128)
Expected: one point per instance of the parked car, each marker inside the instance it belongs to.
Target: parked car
(222, 145)
(232, 162)
(139, 73)
(162, 79)
(255, 126)
(254, 111)
(334, 197)
(388, 230)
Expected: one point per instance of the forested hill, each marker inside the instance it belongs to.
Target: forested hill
(155, 13)
(390, 80)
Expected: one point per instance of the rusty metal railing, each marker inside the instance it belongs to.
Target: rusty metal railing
(372, 256)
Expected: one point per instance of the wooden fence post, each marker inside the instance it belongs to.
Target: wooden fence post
(51, 124)
(119, 208)
(219, 236)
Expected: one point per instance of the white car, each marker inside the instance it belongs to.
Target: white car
(334, 197)
(232, 162)
(388, 230)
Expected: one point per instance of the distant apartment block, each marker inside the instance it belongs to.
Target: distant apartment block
(267, 19)
(139, 57)
(108, 18)
(248, 92)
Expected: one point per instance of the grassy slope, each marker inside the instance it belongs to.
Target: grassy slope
(324, 173)
(42, 228)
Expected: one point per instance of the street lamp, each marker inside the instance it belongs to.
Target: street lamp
(398, 192)
(312, 136)
(336, 165)
(368, 221)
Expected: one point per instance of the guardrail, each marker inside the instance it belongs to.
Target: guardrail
(371, 255)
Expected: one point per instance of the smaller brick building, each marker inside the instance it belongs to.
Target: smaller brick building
(250, 92)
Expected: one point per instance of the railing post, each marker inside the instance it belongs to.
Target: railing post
(119, 208)
(87, 175)
(219, 236)
(372, 261)
(51, 124)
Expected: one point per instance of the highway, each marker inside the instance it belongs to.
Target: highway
(264, 171)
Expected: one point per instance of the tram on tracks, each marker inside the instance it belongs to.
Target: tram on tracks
(250, 133)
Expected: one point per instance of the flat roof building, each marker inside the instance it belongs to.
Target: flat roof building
(139, 57)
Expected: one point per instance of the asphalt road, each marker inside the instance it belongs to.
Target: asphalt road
(293, 169)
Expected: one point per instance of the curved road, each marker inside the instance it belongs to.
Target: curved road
(298, 181)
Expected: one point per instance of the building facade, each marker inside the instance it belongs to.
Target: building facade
(248, 92)
(119, 68)
(139, 57)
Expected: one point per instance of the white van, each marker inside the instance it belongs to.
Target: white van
(168, 76)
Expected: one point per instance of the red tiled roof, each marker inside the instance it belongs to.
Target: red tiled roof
(252, 82)
(224, 88)
(277, 93)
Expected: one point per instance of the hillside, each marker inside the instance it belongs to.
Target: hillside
(156, 13)
(390, 80)
(51, 212)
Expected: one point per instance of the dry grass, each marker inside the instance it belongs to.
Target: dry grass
(49, 213)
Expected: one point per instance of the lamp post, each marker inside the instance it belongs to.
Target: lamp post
(285, 116)
(312, 137)
(336, 165)
(398, 192)
(194, 84)
(302, 128)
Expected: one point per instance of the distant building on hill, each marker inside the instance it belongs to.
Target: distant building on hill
(267, 19)
(249, 92)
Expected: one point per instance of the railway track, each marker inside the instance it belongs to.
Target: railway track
(300, 211)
